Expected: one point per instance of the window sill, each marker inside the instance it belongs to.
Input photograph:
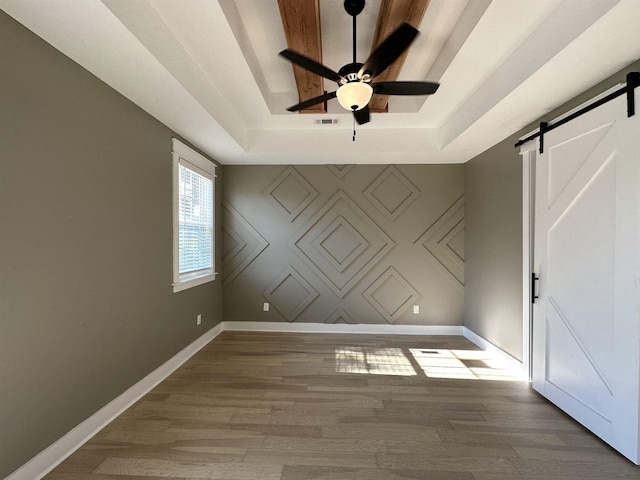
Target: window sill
(190, 280)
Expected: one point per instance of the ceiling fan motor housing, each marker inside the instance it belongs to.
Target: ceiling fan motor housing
(349, 73)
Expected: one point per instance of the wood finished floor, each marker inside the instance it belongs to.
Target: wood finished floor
(280, 406)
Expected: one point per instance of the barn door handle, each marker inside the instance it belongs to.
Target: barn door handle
(534, 282)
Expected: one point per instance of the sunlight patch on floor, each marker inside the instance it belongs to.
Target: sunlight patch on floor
(433, 362)
(374, 361)
(464, 364)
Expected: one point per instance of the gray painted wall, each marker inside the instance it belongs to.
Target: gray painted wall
(493, 238)
(344, 244)
(493, 246)
(86, 305)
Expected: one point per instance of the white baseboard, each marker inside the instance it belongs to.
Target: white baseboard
(56, 453)
(362, 328)
(509, 361)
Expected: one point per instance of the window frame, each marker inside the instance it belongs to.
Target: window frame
(192, 160)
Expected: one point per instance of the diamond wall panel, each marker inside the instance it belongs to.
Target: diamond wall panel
(391, 294)
(340, 316)
(232, 244)
(391, 192)
(290, 293)
(444, 245)
(456, 242)
(369, 241)
(340, 171)
(340, 244)
(241, 243)
(290, 193)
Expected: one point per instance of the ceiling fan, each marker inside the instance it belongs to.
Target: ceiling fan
(355, 80)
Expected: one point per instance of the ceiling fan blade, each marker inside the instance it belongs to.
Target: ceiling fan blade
(405, 88)
(311, 65)
(389, 50)
(312, 101)
(363, 115)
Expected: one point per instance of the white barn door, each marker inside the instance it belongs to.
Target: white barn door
(586, 321)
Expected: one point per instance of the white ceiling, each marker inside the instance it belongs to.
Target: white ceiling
(209, 70)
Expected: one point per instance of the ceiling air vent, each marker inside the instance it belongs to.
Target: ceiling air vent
(326, 121)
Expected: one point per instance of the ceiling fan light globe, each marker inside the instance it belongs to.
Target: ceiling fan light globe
(354, 95)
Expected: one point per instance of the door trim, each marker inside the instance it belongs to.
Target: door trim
(528, 153)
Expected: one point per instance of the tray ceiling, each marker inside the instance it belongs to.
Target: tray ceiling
(210, 71)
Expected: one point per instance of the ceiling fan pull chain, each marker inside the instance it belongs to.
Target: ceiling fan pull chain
(354, 126)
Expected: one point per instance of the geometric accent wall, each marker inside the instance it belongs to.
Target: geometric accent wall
(344, 244)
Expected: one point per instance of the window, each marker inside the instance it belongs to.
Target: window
(193, 218)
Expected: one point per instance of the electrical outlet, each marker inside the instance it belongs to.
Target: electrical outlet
(265, 307)
(416, 309)
(199, 319)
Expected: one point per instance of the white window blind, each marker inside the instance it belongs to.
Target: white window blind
(193, 218)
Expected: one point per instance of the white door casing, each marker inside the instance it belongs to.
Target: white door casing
(586, 332)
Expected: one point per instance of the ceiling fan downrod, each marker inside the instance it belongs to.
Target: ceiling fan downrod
(353, 8)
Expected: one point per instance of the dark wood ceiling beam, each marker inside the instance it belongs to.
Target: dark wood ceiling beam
(391, 15)
(301, 23)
